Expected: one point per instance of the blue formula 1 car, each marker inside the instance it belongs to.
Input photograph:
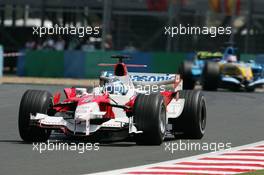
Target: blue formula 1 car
(191, 70)
(217, 70)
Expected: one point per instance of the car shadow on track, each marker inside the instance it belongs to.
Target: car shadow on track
(120, 143)
(13, 141)
(60, 138)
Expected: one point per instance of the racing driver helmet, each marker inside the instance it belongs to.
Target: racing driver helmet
(115, 86)
(231, 58)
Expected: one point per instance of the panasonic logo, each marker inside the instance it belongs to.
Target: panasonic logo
(150, 78)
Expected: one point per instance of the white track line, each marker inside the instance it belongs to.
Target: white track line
(247, 157)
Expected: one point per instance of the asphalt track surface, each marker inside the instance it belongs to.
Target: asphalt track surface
(232, 117)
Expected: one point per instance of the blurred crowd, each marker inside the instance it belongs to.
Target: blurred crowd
(59, 43)
(88, 44)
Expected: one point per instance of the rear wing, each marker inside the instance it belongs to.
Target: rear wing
(142, 77)
(203, 55)
(145, 79)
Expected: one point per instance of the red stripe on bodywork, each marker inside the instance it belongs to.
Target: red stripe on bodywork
(56, 98)
(167, 96)
(70, 92)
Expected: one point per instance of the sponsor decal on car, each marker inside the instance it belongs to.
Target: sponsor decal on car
(152, 77)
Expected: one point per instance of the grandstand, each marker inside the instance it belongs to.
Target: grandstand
(132, 24)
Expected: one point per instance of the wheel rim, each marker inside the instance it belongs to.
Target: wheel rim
(202, 116)
(162, 119)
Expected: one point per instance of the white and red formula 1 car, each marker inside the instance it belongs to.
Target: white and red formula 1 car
(120, 105)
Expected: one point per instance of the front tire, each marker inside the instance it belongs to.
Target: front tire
(211, 76)
(150, 117)
(185, 70)
(192, 121)
(32, 102)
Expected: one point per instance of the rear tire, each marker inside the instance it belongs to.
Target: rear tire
(185, 70)
(150, 117)
(192, 121)
(211, 76)
(32, 102)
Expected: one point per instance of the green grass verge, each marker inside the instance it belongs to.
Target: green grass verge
(260, 172)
